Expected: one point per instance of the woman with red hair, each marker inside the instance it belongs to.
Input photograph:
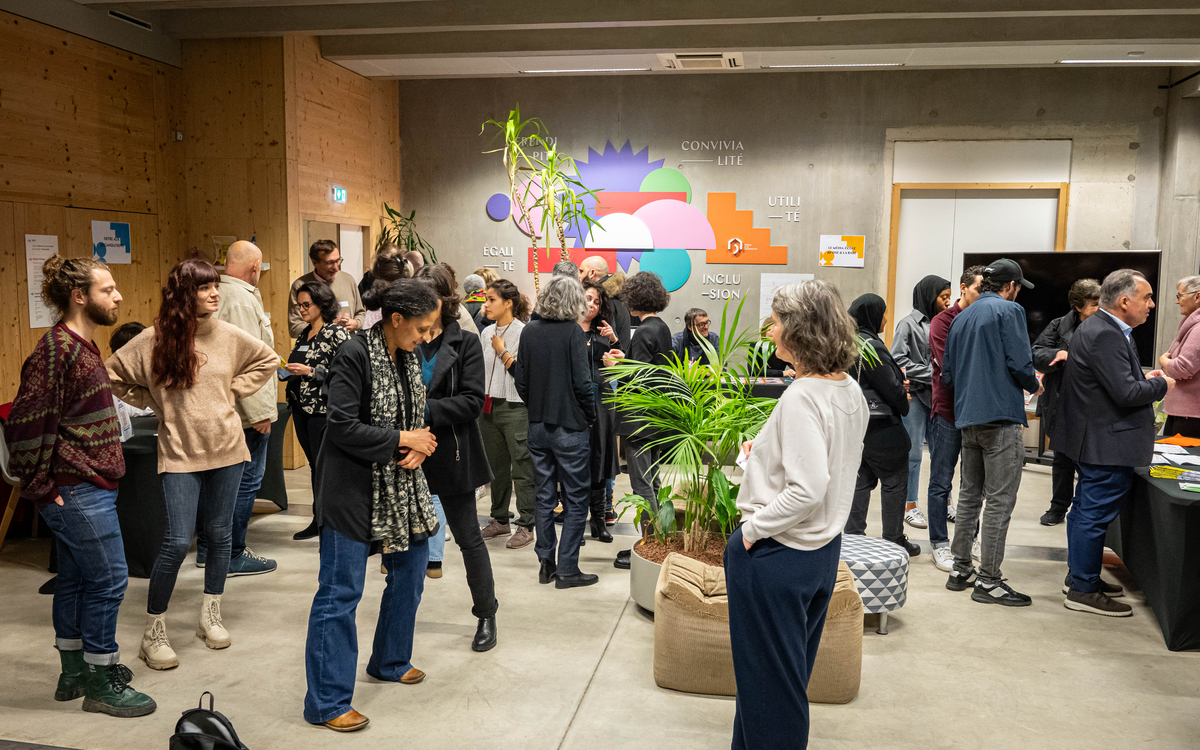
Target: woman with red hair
(189, 368)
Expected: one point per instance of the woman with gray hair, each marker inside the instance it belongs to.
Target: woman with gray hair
(781, 563)
(1182, 362)
(553, 377)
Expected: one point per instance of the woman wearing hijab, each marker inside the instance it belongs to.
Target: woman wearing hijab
(885, 447)
(910, 348)
(374, 498)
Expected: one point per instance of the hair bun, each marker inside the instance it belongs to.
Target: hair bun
(372, 299)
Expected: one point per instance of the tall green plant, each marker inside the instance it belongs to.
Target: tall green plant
(513, 134)
(698, 415)
(401, 231)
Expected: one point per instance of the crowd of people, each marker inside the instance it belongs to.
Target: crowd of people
(409, 392)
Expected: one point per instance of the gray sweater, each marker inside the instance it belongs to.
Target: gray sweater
(800, 478)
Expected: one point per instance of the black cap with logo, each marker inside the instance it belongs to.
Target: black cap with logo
(1004, 271)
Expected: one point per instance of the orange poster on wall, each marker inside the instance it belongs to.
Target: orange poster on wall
(738, 240)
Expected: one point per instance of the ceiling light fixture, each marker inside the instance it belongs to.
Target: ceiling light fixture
(839, 65)
(1130, 61)
(589, 70)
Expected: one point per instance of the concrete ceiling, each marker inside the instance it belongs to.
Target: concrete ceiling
(475, 38)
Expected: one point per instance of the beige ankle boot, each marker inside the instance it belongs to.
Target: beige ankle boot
(210, 628)
(156, 650)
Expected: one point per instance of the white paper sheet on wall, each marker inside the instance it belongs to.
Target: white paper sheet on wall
(38, 249)
(769, 283)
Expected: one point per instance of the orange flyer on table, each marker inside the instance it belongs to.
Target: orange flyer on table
(1186, 442)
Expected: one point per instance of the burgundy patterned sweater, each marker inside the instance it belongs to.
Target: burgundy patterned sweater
(63, 428)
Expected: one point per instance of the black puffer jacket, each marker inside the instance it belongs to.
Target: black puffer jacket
(455, 400)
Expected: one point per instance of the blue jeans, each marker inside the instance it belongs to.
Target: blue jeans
(945, 443)
(182, 494)
(437, 542)
(1098, 499)
(331, 652)
(560, 455)
(252, 476)
(917, 422)
(91, 571)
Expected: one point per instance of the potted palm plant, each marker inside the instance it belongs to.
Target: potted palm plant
(699, 415)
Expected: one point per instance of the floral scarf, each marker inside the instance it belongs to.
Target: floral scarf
(401, 509)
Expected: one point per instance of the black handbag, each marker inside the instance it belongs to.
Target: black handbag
(205, 729)
(876, 406)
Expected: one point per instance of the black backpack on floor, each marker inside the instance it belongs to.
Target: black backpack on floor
(205, 729)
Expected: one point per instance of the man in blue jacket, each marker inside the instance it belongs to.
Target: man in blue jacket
(989, 363)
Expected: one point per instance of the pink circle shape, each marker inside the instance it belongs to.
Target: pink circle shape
(675, 224)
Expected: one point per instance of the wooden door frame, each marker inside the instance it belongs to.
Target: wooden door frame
(1060, 232)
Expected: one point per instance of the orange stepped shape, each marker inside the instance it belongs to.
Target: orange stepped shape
(738, 241)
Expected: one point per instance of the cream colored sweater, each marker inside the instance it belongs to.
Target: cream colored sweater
(198, 428)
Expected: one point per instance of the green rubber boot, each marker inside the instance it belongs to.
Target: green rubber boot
(108, 692)
(71, 683)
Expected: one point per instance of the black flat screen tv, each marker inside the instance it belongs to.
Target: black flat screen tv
(1053, 274)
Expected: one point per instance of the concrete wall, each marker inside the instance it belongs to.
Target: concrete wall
(825, 137)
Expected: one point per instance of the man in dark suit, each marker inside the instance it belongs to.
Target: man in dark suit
(1105, 425)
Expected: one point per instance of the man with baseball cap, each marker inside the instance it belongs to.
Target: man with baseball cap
(988, 362)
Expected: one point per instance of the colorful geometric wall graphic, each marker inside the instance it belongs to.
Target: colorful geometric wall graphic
(643, 213)
(737, 239)
(498, 207)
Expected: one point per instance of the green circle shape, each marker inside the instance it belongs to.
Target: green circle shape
(666, 180)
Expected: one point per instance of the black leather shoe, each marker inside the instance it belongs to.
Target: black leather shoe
(485, 635)
(600, 531)
(579, 579)
(912, 549)
(309, 532)
(622, 561)
(547, 572)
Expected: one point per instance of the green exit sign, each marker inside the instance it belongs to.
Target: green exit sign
(339, 194)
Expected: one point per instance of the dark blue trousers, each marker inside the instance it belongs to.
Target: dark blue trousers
(778, 597)
(1098, 499)
(560, 455)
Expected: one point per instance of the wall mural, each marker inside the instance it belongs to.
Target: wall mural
(643, 212)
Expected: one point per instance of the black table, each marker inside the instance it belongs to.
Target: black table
(141, 509)
(1157, 536)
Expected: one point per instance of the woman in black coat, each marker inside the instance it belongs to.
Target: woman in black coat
(601, 338)
(373, 498)
(452, 369)
(886, 444)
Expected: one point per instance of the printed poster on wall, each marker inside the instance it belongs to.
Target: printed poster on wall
(38, 249)
(110, 242)
(769, 283)
(843, 250)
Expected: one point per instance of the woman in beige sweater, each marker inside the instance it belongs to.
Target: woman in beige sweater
(189, 368)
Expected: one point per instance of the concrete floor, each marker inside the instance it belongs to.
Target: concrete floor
(573, 668)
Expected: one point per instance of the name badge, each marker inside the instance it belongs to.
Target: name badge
(344, 304)
(302, 348)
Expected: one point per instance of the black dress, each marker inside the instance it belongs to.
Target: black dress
(605, 464)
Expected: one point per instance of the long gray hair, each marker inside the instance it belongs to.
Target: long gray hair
(562, 299)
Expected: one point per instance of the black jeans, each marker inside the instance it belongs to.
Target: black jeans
(463, 521)
(310, 431)
(1062, 482)
(560, 455)
(891, 473)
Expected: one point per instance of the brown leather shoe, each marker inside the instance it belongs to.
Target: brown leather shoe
(351, 721)
(412, 676)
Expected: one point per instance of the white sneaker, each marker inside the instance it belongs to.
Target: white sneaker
(943, 558)
(951, 513)
(913, 517)
(975, 550)
(210, 629)
(156, 650)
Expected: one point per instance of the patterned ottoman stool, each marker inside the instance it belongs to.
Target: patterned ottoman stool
(880, 570)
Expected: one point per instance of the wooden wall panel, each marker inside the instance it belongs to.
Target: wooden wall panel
(12, 302)
(78, 120)
(234, 98)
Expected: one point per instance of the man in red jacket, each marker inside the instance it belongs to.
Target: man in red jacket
(65, 446)
(945, 442)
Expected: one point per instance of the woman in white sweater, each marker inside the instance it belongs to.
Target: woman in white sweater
(781, 564)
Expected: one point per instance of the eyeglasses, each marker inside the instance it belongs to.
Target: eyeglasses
(1181, 295)
(304, 305)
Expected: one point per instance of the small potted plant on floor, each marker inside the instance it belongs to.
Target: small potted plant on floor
(699, 415)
